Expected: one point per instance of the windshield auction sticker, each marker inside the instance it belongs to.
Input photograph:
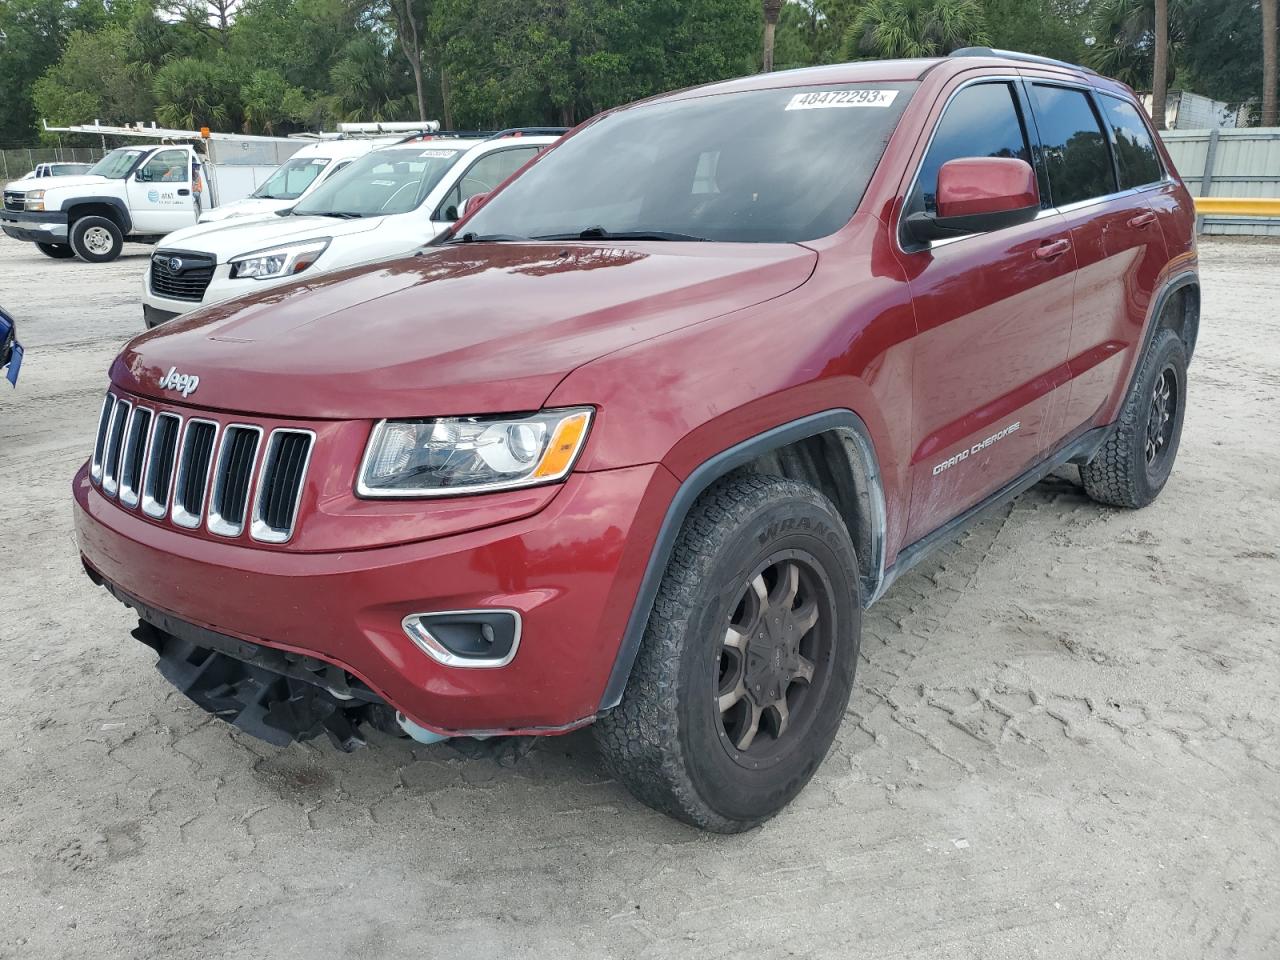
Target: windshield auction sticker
(828, 99)
(438, 154)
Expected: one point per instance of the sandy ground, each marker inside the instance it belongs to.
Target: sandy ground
(1064, 740)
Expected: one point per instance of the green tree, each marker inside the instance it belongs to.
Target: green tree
(35, 33)
(192, 93)
(1048, 28)
(1124, 33)
(97, 77)
(271, 104)
(915, 28)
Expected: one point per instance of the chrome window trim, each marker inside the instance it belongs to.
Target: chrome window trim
(424, 641)
(215, 522)
(99, 454)
(258, 529)
(150, 506)
(128, 495)
(111, 481)
(176, 512)
(1047, 211)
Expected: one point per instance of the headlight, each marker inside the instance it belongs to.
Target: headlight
(282, 261)
(35, 200)
(451, 455)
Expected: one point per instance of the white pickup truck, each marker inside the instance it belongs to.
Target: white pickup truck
(139, 193)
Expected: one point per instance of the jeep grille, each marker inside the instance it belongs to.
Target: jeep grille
(196, 472)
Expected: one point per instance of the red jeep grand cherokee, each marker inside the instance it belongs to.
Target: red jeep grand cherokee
(639, 442)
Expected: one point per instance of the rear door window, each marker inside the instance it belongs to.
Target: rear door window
(1135, 149)
(980, 121)
(1075, 150)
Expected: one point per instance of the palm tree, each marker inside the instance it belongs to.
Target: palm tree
(914, 28)
(1268, 63)
(1160, 66)
(772, 10)
(1127, 47)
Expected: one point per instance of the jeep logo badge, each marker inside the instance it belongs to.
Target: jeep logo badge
(175, 264)
(184, 383)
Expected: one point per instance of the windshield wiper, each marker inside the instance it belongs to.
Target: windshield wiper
(487, 238)
(600, 233)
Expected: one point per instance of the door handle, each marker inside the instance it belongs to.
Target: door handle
(1142, 221)
(184, 192)
(1053, 250)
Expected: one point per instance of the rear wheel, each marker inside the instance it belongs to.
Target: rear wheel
(1134, 464)
(58, 251)
(96, 239)
(747, 661)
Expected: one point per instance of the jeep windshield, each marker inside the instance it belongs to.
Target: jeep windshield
(388, 181)
(763, 166)
(291, 179)
(116, 164)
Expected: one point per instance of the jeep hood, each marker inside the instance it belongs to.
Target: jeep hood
(236, 235)
(455, 330)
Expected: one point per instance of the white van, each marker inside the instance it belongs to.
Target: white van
(295, 179)
(385, 204)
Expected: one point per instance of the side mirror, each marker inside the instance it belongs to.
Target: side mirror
(977, 195)
(474, 203)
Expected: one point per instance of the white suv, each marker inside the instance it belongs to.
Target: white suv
(385, 204)
(295, 179)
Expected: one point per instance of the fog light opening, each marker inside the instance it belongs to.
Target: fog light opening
(466, 638)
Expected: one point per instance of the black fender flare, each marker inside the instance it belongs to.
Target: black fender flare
(118, 206)
(841, 421)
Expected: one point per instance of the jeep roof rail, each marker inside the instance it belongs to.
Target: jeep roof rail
(1014, 55)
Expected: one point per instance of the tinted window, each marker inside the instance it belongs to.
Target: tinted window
(1135, 150)
(775, 165)
(981, 121)
(1075, 148)
(485, 175)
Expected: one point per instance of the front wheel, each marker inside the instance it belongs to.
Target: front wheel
(96, 239)
(747, 660)
(58, 251)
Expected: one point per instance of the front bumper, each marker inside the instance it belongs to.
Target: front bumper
(158, 309)
(572, 571)
(35, 226)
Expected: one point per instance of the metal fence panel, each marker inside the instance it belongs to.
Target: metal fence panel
(1230, 163)
(17, 161)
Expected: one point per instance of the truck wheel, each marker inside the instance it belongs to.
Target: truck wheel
(58, 251)
(747, 660)
(1133, 465)
(96, 239)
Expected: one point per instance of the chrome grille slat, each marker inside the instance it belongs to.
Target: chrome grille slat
(111, 459)
(280, 489)
(196, 471)
(194, 463)
(160, 462)
(135, 456)
(100, 444)
(232, 478)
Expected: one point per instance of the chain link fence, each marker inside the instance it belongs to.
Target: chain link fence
(16, 161)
